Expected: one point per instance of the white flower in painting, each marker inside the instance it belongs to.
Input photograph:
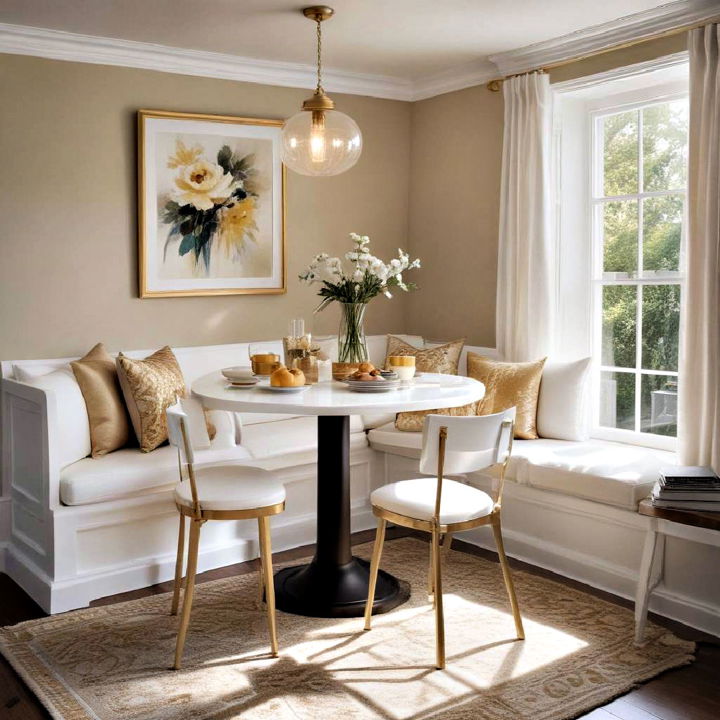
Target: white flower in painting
(203, 185)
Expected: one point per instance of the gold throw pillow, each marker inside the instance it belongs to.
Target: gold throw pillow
(509, 385)
(150, 386)
(108, 418)
(441, 359)
(414, 420)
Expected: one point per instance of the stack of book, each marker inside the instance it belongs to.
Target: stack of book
(687, 488)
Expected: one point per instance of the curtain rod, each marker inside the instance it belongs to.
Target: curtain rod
(496, 84)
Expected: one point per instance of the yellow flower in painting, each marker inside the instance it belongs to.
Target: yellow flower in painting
(184, 155)
(203, 184)
(236, 225)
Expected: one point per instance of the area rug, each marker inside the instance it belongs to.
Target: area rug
(112, 662)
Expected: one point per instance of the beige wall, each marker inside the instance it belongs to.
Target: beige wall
(454, 199)
(68, 254)
(428, 179)
(454, 205)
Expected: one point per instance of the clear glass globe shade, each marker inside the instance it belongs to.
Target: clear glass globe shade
(327, 148)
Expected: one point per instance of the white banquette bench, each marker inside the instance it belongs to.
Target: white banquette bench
(74, 528)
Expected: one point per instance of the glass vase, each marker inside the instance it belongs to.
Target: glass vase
(352, 347)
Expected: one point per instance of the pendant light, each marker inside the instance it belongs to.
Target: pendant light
(319, 140)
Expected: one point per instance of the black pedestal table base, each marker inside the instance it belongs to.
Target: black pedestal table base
(334, 584)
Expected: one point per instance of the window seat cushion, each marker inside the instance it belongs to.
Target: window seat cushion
(129, 472)
(599, 470)
(290, 437)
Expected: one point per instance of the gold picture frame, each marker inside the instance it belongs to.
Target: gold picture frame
(205, 213)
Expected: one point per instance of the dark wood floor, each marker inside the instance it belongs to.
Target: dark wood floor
(689, 693)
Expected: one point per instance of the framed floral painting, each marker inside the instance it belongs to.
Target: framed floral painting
(211, 205)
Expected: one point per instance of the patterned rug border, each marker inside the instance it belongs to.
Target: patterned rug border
(62, 704)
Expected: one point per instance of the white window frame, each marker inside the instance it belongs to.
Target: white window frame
(624, 103)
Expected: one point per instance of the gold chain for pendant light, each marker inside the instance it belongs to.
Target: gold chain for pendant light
(319, 56)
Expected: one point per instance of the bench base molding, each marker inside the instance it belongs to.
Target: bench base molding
(115, 547)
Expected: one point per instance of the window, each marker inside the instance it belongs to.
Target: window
(637, 199)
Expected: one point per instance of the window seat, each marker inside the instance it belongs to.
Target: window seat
(606, 472)
(127, 473)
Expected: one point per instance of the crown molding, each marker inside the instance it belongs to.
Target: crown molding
(59, 45)
(460, 77)
(600, 37)
(74, 47)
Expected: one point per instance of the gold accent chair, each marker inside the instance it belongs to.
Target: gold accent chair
(219, 492)
(441, 507)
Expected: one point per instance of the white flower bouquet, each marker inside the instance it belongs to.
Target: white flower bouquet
(353, 287)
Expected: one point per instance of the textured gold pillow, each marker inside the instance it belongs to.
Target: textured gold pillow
(98, 380)
(440, 359)
(509, 385)
(413, 421)
(149, 387)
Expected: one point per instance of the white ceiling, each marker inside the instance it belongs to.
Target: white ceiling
(407, 39)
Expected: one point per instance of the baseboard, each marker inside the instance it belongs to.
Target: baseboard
(57, 597)
(599, 574)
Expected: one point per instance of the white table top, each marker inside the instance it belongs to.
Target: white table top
(333, 398)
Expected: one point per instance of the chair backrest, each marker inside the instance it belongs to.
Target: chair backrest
(473, 443)
(178, 432)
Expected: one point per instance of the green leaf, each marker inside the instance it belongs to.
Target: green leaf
(224, 158)
(187, 244)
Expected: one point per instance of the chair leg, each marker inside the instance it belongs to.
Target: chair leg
(446, 543)
(193, 546)
(269, 582)
(178, 567)
(374, 567)
(497, 531)
(438, 598)
(261, 582)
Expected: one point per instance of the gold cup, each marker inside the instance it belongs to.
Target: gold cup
(264, 363)
(403, 365)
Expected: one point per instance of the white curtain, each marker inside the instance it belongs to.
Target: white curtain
(699, 421)
(526, 254)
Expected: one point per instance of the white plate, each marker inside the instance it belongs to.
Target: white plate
(273, 388)
(372, 383)
(374, 388)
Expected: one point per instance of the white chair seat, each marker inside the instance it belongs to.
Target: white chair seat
(232, 487)
(416, 499)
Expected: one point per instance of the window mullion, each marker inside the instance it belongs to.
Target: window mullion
(638, 310)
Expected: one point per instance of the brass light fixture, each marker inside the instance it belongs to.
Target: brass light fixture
(319, 140)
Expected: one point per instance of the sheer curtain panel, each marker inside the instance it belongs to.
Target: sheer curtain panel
(699, 421)
(526, 254)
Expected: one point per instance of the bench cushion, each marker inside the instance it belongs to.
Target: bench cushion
(288, 437)
(128, 472)
(607, 472)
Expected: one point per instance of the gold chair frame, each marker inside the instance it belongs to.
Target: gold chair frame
(441, 538)
(198, 517)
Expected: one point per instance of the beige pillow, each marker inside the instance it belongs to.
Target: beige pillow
(98, 380)
(509, 385)
(441, 359)
(150, 386)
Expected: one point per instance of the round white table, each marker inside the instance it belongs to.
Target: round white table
(335, 584)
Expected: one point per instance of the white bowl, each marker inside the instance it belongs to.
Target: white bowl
(238, 373)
